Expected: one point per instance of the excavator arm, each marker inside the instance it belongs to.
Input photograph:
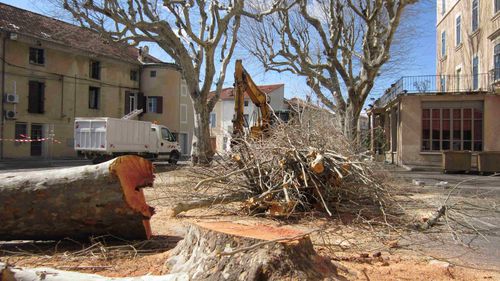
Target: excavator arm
(244, 83)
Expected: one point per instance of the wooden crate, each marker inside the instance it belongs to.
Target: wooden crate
(488, 162)
(456, 161)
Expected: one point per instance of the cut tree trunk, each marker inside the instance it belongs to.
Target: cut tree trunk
(13, 273)
(77, 202)
(230, 251)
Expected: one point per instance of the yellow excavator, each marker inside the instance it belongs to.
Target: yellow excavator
(243, 83)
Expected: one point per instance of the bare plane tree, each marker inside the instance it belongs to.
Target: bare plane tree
(340, 47)
(199, 35)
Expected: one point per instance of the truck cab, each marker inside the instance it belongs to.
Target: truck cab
(168, 147)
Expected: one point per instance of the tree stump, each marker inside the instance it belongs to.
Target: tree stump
(229, 251)
(77, 202)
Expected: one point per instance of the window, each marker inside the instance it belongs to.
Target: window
(213, 119)
(452, 129)
(152, 73)
(457, 79)
(458, 31)
(95, 70)
(475, 72)
(442, 81)
(94, 94)
(443, 7)
(167, 135)
(246, 103)
(497, 6)
(443, 44)
(184, 88)
(37, 56)
(134, 75)
(155, 104)
(21, 131)
(183, 113)
(475, 15)
(36, 97)
(496, 62)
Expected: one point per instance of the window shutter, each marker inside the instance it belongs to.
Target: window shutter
(32, 97)
(159, 104)
(41, 97)
(41, 56)
(126, 108)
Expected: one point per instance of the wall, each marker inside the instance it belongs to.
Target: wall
(168, 84)
(66, 77)
(480, 42)
(410, 129)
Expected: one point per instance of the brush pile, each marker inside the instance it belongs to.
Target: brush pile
(298, 168)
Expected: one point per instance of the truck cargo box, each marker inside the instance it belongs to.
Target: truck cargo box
(112, 135)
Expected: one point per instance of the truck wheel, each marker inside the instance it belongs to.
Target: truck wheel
(174, 157)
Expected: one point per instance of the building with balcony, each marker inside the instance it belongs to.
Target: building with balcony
(52, 71)
(458, 108)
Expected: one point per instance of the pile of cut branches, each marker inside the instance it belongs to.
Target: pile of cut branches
(300, 167)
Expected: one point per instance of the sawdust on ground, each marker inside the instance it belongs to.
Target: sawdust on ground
(358, 254)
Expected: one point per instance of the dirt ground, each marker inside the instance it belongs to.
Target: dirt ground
(361, 250)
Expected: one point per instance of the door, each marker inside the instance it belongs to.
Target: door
(36, 133)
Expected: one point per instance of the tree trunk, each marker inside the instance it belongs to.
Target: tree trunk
(77, 202)
(202, 149)
(229, 251)
(12, 273)
(350, 122)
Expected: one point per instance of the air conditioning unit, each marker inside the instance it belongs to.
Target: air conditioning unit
(10, 114)
(11, 98)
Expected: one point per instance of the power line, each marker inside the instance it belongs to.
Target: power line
(59, 76)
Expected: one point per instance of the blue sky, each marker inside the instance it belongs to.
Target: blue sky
(420, 58)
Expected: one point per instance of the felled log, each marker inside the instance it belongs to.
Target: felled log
(230, 251)
(13, 273)
(77, 202)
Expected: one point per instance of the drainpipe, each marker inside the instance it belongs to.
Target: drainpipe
(62, 96)
(2, 125)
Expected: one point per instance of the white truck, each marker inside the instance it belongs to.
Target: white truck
(103, 138)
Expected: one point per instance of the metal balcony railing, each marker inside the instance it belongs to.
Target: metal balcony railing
(433, 84)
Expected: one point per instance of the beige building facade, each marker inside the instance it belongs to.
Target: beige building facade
(167, 101)
(52, 72)
(468, 42)
(458, 109)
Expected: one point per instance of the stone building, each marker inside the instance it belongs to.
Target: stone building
(458, 108)
(53, 71)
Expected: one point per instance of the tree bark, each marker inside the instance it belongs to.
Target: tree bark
(229, 251)
(202, 148)
(77, 202)
(12, 273)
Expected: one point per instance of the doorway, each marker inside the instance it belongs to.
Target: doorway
(36, 133)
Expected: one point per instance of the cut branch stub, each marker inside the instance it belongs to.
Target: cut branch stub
(230, 251)
(77, 202)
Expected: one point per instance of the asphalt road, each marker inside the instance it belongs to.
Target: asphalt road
(470, 233)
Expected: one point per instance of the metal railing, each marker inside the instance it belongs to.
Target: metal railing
(432, 84)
